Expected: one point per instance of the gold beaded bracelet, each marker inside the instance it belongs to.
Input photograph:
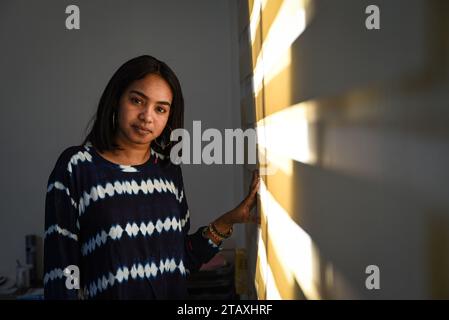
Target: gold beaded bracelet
(212, 236)
(214, 230)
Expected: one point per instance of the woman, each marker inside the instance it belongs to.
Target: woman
(116, 209)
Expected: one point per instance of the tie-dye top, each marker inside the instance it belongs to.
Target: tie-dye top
(125, 228)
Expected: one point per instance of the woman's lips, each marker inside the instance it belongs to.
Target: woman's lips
(142, 130)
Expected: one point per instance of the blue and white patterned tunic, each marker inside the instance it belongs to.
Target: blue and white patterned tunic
(124, 227)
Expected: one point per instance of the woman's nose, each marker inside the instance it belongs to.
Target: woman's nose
(146, 114)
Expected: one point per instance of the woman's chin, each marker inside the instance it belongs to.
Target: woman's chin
(138, 139)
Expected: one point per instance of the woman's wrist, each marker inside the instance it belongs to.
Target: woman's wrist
(223, 224)
(220, 229)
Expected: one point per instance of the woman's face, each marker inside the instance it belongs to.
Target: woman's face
(144, 110)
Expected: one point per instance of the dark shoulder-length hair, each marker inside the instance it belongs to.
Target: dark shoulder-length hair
(103, 132)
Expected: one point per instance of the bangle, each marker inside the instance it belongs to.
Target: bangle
(214, 230)
(212, 236)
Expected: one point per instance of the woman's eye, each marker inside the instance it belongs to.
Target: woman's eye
(136, 101)
(160, 109)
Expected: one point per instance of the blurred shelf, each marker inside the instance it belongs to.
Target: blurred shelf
(217, 284)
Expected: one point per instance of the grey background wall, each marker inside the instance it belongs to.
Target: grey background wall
(52, 78)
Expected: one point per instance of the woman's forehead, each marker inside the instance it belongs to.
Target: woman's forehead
(153, 87)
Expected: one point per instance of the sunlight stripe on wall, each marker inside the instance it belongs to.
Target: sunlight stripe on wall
(287, 26)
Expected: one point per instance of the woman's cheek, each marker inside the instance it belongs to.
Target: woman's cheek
(163, 121)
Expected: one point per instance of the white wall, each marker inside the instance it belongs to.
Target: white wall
(376, 191)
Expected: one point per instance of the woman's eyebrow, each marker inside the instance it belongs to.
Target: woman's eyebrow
(145, 97)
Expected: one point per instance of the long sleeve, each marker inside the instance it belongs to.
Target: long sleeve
(61, 238)
(198, 250)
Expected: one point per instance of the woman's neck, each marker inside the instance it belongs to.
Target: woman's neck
(128, 153)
